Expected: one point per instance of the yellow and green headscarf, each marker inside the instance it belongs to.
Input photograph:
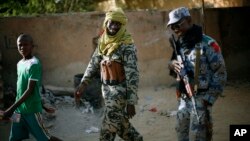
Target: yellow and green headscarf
(108, 44)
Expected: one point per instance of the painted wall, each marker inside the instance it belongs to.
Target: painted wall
(64, 43)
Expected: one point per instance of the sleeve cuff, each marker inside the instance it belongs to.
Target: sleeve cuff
(132, 99)
(33, 79)
(85, 81)
(132, 102)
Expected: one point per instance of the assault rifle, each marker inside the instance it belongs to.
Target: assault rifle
(183, 76)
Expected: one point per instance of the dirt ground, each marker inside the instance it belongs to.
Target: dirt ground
(156, 124)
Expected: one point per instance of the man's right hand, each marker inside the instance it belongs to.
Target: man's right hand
(1, 114)
(175, 66)
(78, 93)
(6, 114)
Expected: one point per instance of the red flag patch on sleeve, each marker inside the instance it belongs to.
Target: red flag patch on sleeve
(215, 46)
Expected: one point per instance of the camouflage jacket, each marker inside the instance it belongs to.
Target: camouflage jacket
(126, 54)
(212, 72)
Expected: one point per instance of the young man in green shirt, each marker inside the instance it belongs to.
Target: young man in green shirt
(28, 101)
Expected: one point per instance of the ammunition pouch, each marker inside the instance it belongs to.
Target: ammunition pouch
(112, 72)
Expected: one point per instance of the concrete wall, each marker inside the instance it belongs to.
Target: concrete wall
(105, 5)
(235, 34)
(1, 82)
(64, 43)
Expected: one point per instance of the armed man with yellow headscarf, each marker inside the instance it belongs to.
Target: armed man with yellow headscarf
(115, 59)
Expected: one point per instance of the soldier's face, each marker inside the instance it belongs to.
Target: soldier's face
(181, 27)
(113, 27)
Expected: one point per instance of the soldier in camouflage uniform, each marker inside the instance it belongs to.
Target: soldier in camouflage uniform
(115, 59)
(210, 79)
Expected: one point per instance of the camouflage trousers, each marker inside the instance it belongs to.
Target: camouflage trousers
(115, 120)
(188, 128)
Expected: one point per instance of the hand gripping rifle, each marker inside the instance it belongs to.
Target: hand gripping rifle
(182, 76)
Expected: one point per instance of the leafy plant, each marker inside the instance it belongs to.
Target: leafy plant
(37, 7)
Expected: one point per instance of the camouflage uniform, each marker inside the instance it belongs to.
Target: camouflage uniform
(116, 97)
(211, 80)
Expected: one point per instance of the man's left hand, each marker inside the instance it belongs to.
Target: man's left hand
(131, 111)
